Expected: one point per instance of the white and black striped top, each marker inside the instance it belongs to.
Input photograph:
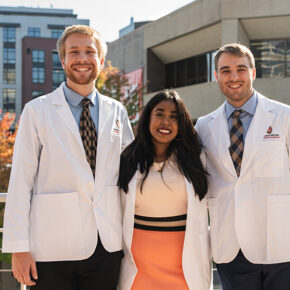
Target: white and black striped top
(162, 205)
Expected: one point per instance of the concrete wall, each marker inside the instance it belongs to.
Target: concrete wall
(254, 8)
(203, 26)
(277, 89)
(233, 31)
(199, 99)
(267, 27)
(127, 52)
(194, 43)
(204, 98)
(192, 17)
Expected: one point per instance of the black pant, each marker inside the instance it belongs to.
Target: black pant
(98, 272)
(240, 274)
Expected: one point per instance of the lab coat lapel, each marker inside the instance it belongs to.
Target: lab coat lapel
(64, 113)
(221, 138)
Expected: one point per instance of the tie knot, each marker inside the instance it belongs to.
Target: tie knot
(236, 113)
(86, 102)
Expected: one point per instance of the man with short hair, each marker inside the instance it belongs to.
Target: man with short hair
(246, 142)
(63, 208)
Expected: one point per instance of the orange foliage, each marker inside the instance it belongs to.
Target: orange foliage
(108, 71)
(7, 139)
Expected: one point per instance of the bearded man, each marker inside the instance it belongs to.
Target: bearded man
(63, 216)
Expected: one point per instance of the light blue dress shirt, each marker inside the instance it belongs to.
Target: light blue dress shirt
(246, 116)
(74, 101)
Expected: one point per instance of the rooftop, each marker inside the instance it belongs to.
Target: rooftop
(21, 10)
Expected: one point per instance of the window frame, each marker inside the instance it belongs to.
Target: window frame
(259, 60)
(9, 99)
(38, 75)
(34, 31)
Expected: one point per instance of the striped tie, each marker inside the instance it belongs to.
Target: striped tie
(88, 134)
(237, 144)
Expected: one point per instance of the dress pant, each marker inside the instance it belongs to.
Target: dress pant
(98, 272)
(240, 274)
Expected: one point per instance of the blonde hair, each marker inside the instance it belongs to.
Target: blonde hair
(84, 30)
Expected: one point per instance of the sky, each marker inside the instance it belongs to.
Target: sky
(108, 16)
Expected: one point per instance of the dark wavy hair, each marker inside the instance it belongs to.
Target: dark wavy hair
(140, 153)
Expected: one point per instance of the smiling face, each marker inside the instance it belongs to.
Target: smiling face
(163, 125)
(81, 62)
(235, 78)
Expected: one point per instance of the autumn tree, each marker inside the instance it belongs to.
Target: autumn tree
(7, 139)
(113, 83)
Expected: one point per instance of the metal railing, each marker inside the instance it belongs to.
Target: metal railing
(3, 199)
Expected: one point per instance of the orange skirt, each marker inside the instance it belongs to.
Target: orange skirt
(158, 257)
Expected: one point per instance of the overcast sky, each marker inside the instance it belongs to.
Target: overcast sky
(108, 16)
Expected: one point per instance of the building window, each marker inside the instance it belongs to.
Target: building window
(34, 31)
(56, 61)
(37, 56)
(9, 75)
(9, 34)
(193, 70)
(272, 58)
(36, 94)
(38, 59)
(9, 55)
(9, 98)
(58, 77)
(56, 33)
(38, 75)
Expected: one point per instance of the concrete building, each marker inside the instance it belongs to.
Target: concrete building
(176, 51)
(131, 27)
(29, 64)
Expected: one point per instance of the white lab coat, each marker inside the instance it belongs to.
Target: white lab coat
(252, 212)
(196, 258)
(55, 209)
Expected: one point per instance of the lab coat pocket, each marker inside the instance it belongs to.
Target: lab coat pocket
(268, 160)
(278, 235)
(55, 227)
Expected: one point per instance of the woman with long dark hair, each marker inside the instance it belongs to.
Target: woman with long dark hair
(163, 184)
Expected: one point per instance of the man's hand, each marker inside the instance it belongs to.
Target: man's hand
(22, 266)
